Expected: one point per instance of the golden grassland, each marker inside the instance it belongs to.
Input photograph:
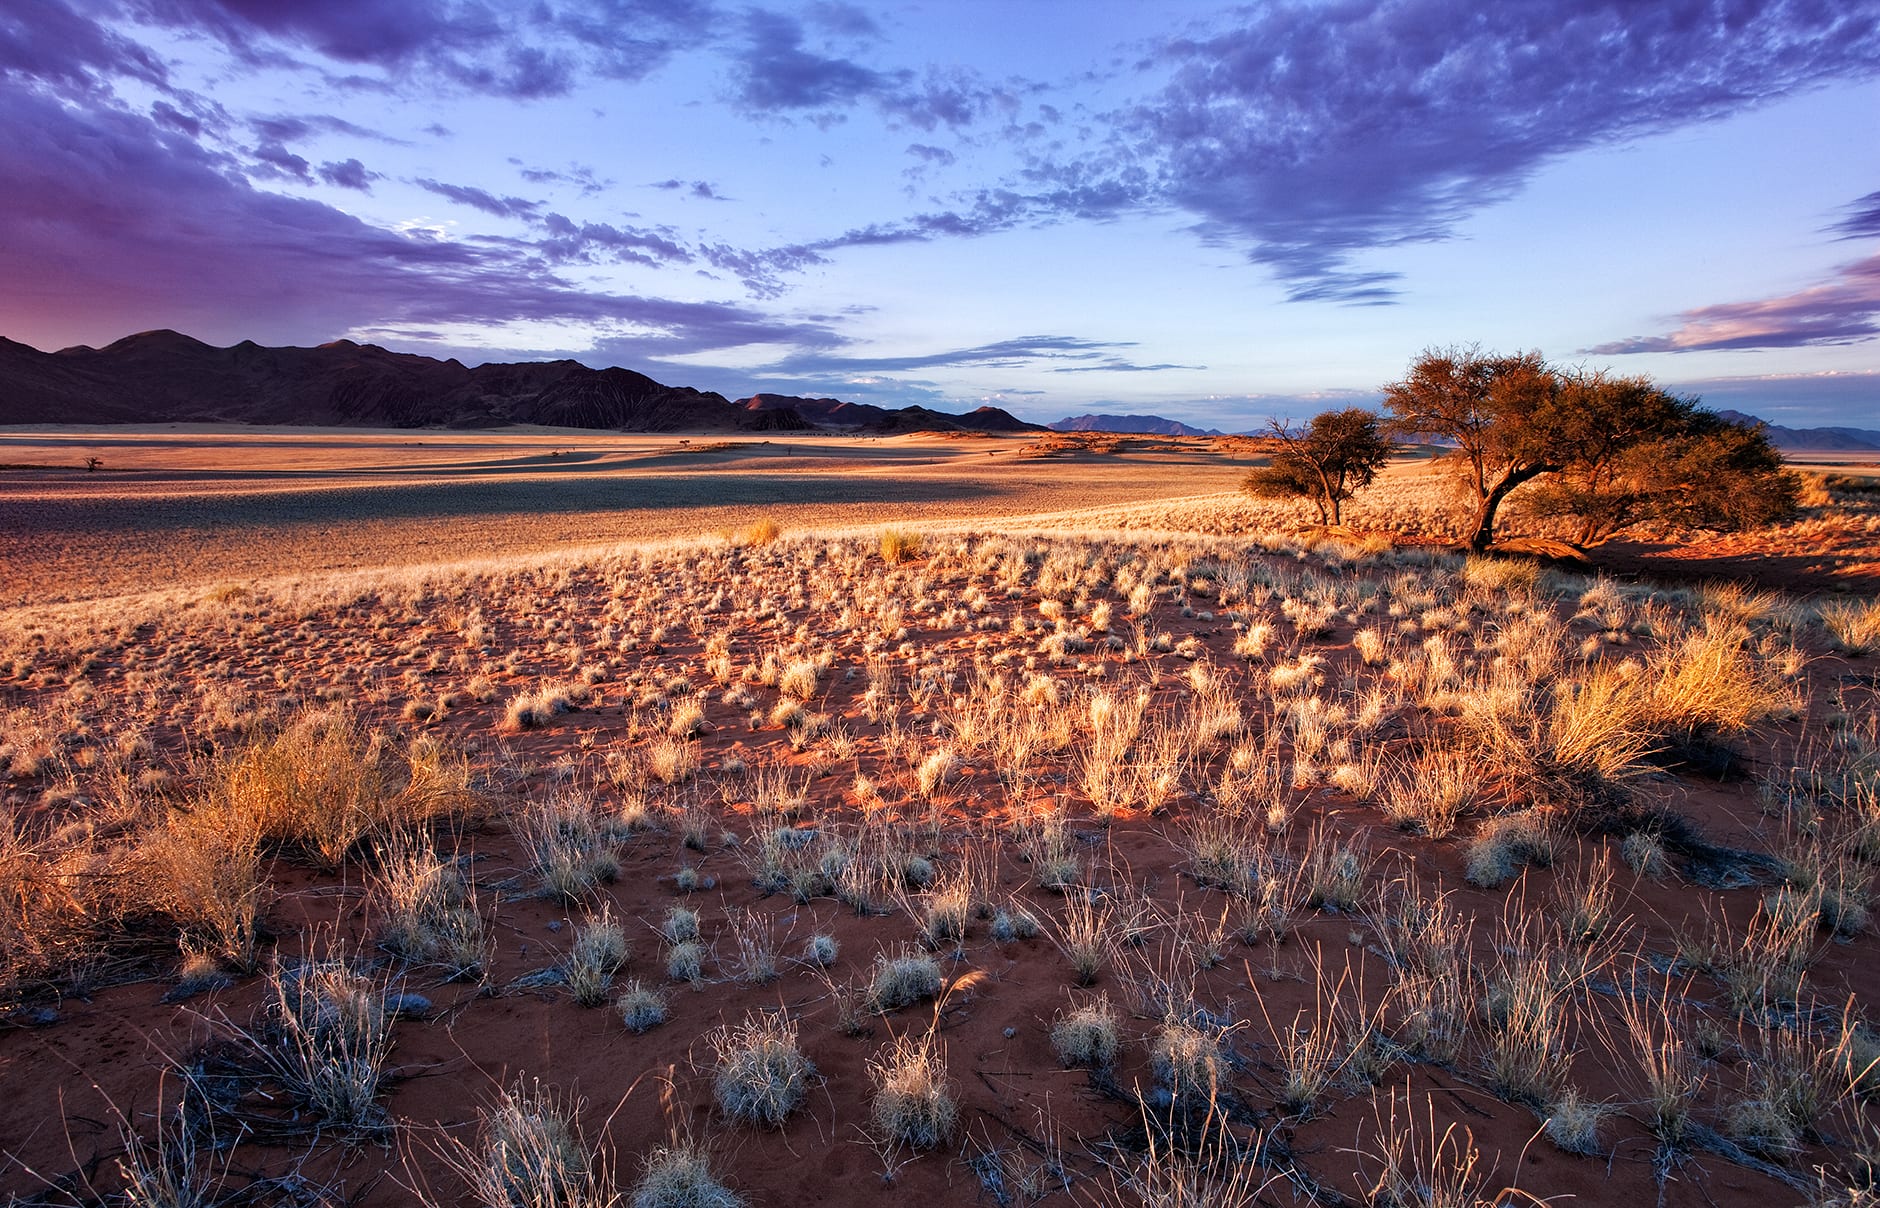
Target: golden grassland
(1130, 853)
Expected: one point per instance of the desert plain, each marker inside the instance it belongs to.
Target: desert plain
(540, 817)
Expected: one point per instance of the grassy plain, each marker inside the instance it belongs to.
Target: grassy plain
(1011, 821)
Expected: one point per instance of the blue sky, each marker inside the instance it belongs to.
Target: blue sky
(1217, 214)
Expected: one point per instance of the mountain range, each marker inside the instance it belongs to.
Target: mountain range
(167, 377)
(1821, 440)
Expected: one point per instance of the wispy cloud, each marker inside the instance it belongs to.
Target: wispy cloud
(1842, 310)
(1861, 219)
(1000, 354)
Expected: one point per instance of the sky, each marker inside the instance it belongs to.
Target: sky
(1217, 214)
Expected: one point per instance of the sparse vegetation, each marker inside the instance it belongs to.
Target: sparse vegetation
(824, 792)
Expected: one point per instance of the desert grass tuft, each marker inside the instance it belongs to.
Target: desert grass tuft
(899, 981)
(641, 1007)
(913, 1102)
(598, 952)
(679, 1175)
(762, 1074)
(1088, 1036)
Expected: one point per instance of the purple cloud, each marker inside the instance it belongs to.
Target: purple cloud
(569, 242)
(1314, 132)
(775, 72)
(278, 161)
(1843, 310)
(46, 41)
(481, 199)
(348, 174)
(112, 223)
(1862, 220)
(703, 190)
(509, 51)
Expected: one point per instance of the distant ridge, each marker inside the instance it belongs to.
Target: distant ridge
(1820, 440)
(167, 377)
(1148, 425)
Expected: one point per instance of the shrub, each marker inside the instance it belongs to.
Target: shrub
(1853, 625)
(1502, 844)
(533, 1156)
(1573, 1123)
(570, 852)
(334, 1038)
(899, 545)
(686, 961)
(598, 952)
(1188, 1062)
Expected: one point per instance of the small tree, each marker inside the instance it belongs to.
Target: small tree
(1333, 458)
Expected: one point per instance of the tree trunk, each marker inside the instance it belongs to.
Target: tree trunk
(1485, 512)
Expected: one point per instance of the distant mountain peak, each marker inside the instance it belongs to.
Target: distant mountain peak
(1147, 425)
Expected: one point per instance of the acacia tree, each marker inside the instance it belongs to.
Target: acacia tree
(1612, 451)
(1334, 457)
(1502, 414)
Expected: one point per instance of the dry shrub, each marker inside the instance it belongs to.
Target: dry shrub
(334, 1037)
(204, 870)
(899, 545)
(530, 1154)
(428, 911)
(53, 916)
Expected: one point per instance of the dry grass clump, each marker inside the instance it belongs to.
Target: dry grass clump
(323, 785)
(598, 952)
(679, 1175)
(900, 545)
(1088, 1036)
(762, 1074)
(568, 845)
(330, 1039)
(531, 1154)
(1431, 792)
(899, 981)
(428, 912)
(1502, 844)
(205, 870)
(641, 1007)
(1188, 1063)
(913, 1103)
(1574, 1122)
(1853, 625)
(1420, 1166)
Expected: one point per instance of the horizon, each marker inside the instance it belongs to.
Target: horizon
(1217, 217)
